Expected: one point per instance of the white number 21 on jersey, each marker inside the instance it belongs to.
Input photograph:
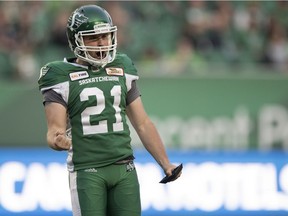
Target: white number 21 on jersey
(102, 127)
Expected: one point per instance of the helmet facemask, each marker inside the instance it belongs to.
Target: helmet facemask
(97, 55)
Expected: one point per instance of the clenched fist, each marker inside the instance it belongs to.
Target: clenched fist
(62, 142)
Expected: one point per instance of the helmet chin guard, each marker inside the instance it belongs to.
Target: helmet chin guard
(92, 20)
(102, 54)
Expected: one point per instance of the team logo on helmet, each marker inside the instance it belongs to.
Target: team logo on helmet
(76, 20)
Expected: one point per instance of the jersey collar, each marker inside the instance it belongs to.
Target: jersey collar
(73, 62)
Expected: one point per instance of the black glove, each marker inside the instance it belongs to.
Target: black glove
(175, 173)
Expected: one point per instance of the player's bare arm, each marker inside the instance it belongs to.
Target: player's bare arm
(149, 135)
(56, 122)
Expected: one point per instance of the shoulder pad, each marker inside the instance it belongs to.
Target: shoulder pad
(49, 67)
(52, 74)
(123, 61)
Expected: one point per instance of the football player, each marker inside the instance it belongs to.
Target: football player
(86, 101)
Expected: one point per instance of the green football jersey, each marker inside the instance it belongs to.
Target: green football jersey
(96, 105)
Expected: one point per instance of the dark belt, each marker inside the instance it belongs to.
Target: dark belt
(126, 160)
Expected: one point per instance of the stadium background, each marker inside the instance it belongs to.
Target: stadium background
(213, 79)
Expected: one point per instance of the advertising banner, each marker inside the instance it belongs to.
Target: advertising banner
(34, 182)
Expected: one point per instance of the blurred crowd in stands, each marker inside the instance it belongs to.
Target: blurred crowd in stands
(162, 37)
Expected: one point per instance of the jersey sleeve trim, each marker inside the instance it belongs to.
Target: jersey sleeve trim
(133, 93)
(51, 96)
(60, 88)
(129, 79)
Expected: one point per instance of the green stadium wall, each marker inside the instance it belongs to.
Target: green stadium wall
(221, 112)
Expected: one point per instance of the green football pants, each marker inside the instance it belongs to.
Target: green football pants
(107, 191)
